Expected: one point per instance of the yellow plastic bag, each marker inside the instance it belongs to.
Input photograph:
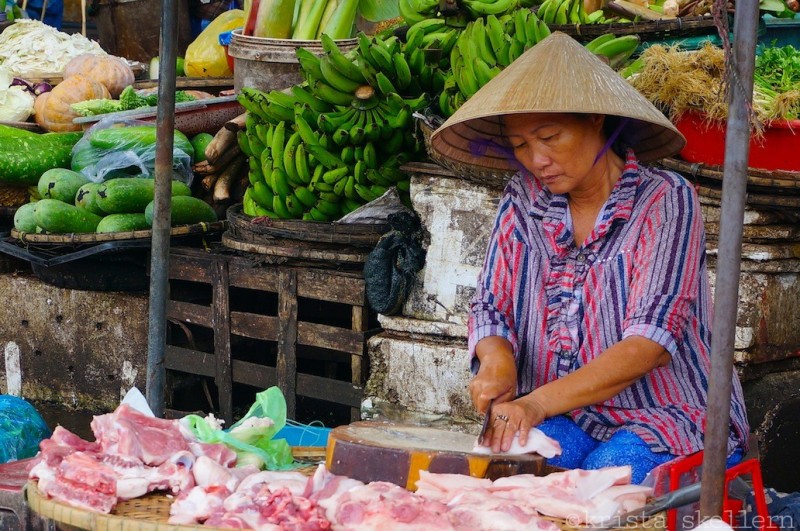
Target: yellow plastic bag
(205, 57)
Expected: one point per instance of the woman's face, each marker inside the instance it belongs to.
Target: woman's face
(558, 149)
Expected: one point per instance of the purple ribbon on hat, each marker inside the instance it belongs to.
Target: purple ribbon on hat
(612, 138)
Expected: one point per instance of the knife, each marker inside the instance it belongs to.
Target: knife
(670, 500)
(486, 420)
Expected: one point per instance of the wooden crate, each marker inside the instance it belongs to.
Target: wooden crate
(236, 321)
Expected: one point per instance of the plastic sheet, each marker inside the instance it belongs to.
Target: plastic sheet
(205, 57)
(21, 429)
(126, 148)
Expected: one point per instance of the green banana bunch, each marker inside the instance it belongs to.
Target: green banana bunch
(481, 8)
(616, 49)
(414, 11)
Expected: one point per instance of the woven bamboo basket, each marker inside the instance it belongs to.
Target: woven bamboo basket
(148, 513)
(775, 180)
(91, 237)
(13, 196)
(651, 30)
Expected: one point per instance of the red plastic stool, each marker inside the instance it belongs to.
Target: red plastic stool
(730, 506)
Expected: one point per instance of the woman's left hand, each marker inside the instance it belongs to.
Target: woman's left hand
(519, 415)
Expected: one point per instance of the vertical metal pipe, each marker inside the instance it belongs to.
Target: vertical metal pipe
(159, 259)
(726, 293)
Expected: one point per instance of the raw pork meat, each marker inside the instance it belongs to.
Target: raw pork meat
(477, 509)
(537, 442)
(380, 505)
(129, 432)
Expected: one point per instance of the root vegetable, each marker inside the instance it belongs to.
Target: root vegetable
(222, 188)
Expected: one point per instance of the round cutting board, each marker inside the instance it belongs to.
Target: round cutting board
(383, 451)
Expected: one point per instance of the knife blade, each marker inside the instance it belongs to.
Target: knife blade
(671, 500)
(486, 420)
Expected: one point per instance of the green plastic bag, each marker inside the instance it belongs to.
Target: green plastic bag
(252, 436)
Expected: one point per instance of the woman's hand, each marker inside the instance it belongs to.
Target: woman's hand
(497, 376)
(519, 415)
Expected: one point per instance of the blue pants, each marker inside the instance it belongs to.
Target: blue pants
(580, 450)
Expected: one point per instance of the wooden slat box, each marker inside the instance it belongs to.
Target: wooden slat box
(239, 324)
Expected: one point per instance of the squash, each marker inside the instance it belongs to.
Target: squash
(111, 71)
(52, 109)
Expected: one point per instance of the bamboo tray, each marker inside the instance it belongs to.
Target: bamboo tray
(92, 237)
(648, 30)
(788, 181)
(148, 513)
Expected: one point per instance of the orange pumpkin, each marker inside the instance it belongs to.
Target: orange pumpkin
(111, 71)
(52, 109)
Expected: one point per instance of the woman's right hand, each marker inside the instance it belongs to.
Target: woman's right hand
(497, 375)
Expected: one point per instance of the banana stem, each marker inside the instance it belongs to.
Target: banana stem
(307, 26)
(342, 21)
(274, 19)
(330, 9)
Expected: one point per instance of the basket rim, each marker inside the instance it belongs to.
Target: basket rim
(93, 237)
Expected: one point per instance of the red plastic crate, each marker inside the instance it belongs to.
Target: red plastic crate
(706, 143)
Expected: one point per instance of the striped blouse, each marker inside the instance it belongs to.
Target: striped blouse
(642, 271)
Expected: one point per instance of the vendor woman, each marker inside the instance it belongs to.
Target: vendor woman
(592, 315)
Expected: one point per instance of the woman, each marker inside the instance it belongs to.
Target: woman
(592, 314)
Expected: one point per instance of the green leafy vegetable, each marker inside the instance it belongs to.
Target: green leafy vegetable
(777, 77)
(95, 107)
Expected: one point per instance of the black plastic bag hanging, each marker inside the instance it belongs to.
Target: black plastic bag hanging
(392, 266)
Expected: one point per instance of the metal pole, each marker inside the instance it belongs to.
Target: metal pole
(159, 259)
(726, 293)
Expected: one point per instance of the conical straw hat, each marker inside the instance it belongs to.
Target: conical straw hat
(557, 75)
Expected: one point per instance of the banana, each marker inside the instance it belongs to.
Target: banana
(316, 215)
(402, 69)
(517, 49)
(309, 63)
(359, 173)
(598, 41)
(350, 190)
(279, 207)
(267, 165)
(294, 205)
(549, 12)
(341, 136)
(336, 79)
(414, 38)
(542, 30)
(383, 59)
(483, 44)
(483, 74)
(327, 93)
(320, 188)
(359, 153)
(495, 31)
(330, 122)
(325, 157)
(305, 196)
(330, 197)
(289, 163)
(340, 62)
(278, 97)
(280, 185)
(449, 41)
(619, 49)
(308, 135)
(403, 185)
(385, 85)
(254, 173)
(262, 194)
(467, 83)
(250, 99)
(574, 16)
(375, 177)
(520, 21)
(330, 209)
(301, 162)
(304, 96)
(275, 113)
(339, 186)
(365, 49)
(370, 155)
(531, 37)
(480, 8)
(317, 176)
(256, 146)
(410, 16)
(352, 203)
(335, 175)
(276, 148)
(365, 193)
(561, 14)
(348, 154)
(395, 142)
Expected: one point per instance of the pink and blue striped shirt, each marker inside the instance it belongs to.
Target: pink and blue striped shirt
(641, 271)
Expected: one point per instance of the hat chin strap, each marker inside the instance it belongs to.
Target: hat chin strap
(612, 138)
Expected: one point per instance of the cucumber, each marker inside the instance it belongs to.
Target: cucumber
(186, 210)
(59, 217)
(23, 159)
(136, 138)
(123, 223)
(61, 184)
(200, 143)
(131, 194)
(23, 218)
(86, 197)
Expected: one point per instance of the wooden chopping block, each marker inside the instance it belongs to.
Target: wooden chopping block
(384, 451)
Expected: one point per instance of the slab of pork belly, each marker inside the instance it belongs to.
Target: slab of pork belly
(537, 442)
(381, 505)
(197, 504)
(442, 487)
(477, 509)
(129, 432)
